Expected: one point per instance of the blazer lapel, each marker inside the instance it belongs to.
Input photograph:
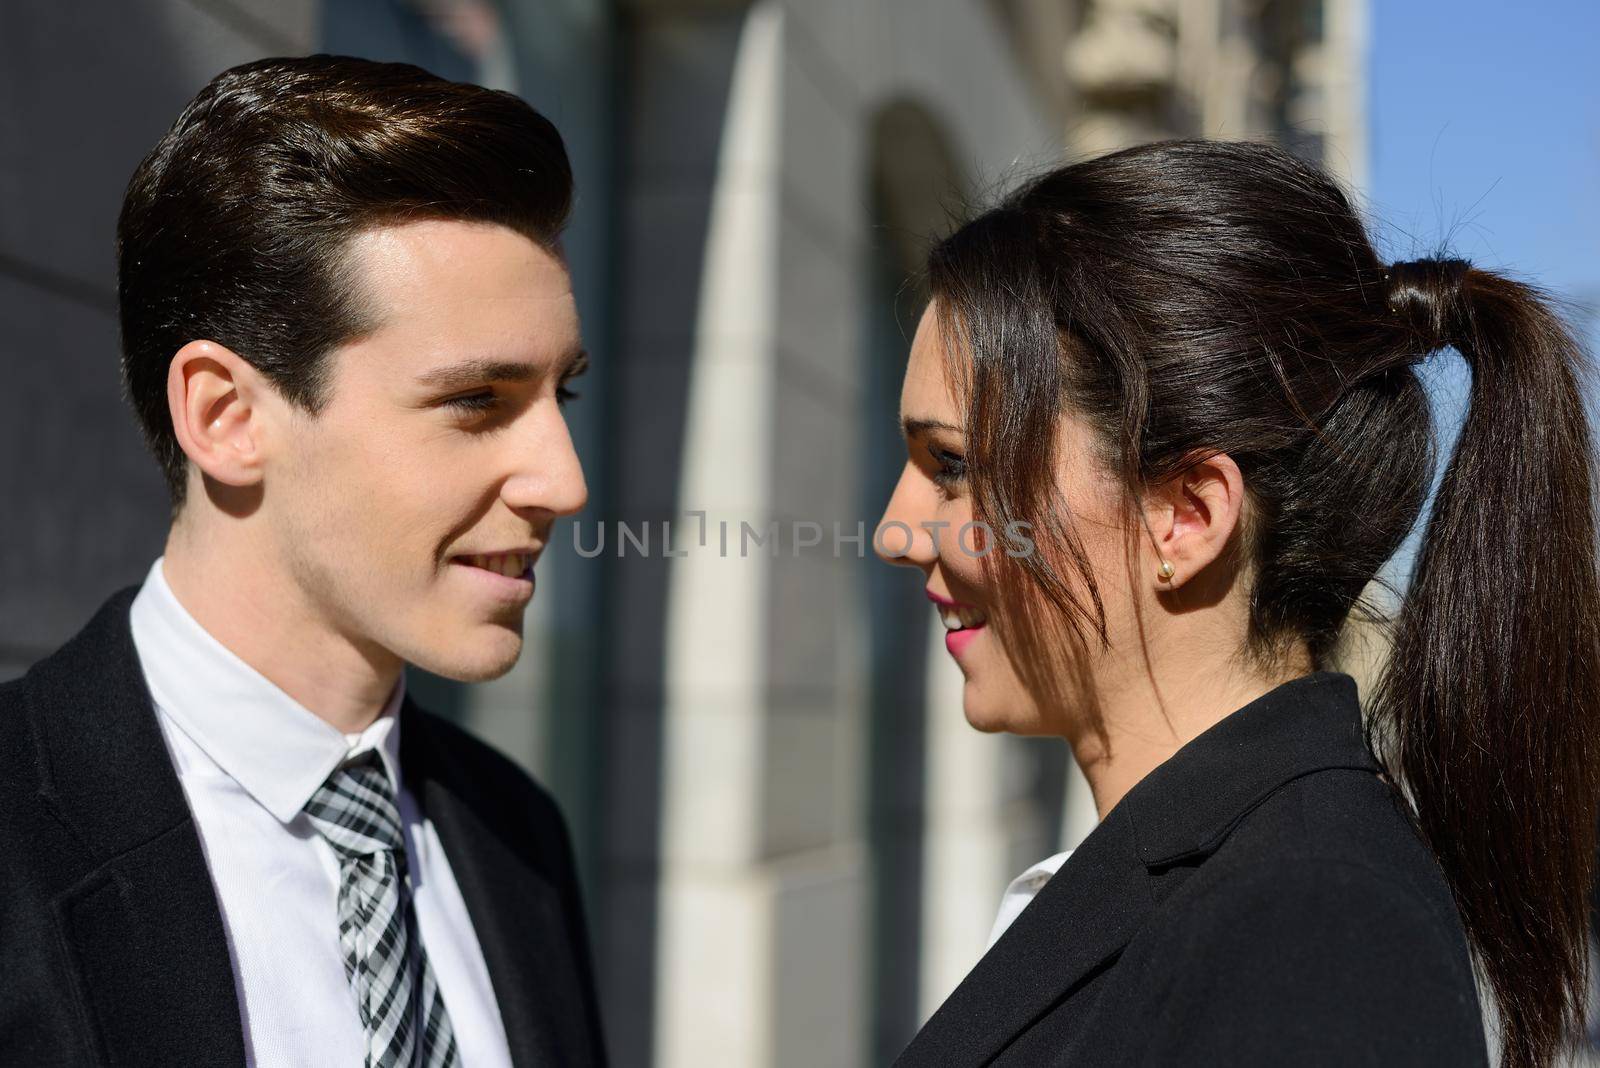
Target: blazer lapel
(1082, 917)
(1172, 819)
(515, 911)
(142, 928)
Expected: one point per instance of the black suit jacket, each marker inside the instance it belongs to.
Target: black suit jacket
(112, 948)
(1259, 899)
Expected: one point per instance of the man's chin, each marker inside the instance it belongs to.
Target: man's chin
(484, 659)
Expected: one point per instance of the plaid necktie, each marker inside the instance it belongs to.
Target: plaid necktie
(383, 955)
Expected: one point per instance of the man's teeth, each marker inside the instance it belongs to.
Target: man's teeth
(960, 617)
(512, 565)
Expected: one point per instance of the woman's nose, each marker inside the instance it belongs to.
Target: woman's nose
(901, 537)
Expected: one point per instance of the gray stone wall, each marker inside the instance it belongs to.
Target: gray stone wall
(85, 91)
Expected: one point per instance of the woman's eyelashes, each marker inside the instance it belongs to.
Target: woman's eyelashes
(951, 470)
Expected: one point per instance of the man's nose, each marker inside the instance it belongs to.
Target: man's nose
(550, 476)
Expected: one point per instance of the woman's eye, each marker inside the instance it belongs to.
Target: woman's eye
(952, 468)
(563, 395)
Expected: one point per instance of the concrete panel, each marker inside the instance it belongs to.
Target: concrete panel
(808, 791)
(725, 461)
(824, 144)
(82, 99)
(814, 629)
(821, 311)
(649, 398)
(86, 508)
(83, 96)
(662, 268)
(843, 40)
(951, 57)
(632, 841)
(816, 460)
(715, 979)
(716, 814)
(778, 965)
(285, 27)
(624, 955)
(679, 69)
(683, 7)
(819, 927)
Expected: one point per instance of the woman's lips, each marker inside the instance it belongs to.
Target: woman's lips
(963, 622)
(956, 641)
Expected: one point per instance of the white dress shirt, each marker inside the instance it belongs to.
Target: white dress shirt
(1022, 890)
(249, 757)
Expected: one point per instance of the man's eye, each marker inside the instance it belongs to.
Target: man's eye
(474, 402)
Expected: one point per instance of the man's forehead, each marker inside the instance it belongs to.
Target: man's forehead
(476, 290)
(436, 260)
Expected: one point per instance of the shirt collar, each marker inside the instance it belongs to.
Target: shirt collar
(1188, 805)
(279, 751)
(1022, 891)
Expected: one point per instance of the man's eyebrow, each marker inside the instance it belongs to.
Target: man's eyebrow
(473, 372)
(912, 428)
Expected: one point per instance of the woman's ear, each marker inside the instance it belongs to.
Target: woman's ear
(1191, 518)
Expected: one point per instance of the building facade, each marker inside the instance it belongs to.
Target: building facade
(792, 844)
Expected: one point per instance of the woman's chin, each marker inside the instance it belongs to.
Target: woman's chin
(988, 716)
(1001, 709)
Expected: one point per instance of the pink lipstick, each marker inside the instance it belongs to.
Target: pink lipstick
(962, 622)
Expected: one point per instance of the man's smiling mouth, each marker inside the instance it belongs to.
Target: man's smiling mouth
(518, 565)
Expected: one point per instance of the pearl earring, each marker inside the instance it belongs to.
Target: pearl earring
(1166, 570)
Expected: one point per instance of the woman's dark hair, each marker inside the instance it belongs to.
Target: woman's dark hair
(1191, 298)
(235, 226)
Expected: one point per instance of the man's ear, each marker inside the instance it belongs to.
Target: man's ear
(213, 397)
(1191, 517)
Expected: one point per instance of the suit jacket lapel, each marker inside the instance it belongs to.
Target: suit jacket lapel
(515, 911)
(142, 929)
(1175, 816)
(1081, 918)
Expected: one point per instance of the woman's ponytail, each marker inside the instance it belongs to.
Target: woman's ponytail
(1489, 709)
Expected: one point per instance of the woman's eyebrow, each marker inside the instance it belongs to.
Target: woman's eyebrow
(912, 428)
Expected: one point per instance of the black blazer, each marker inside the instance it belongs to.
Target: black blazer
(1259, 899)
(112, 949)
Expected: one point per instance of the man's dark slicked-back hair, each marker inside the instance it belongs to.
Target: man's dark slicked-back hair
(234, 228)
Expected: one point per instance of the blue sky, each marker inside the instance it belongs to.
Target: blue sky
(1485, 130)
(1485, 135)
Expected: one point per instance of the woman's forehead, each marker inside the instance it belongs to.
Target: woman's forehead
(927, 392)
